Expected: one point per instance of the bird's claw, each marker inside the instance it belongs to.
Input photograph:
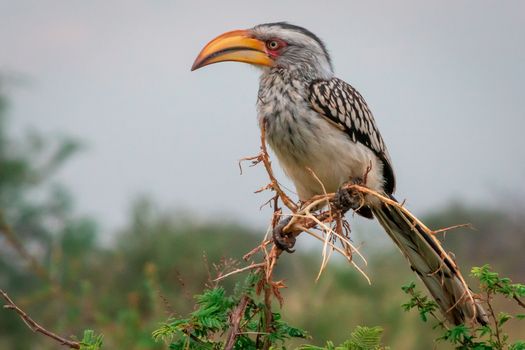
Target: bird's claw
(283, 241)
(346, 199)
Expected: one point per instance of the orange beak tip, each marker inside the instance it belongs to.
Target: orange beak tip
(237, 45)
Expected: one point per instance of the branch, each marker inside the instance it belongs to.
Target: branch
(34, 326)
(11, 238)
(496, 325)
(249, 267)
(321, 213)
(518, 300)
(235, 320)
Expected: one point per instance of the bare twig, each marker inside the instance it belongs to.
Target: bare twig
(261, 246)
(268, 317)
(452, 228)
(236, 271)
(305, 217)
(34, 326)
(11, 238)
(268, 166)
(235, 319)
(496, 325)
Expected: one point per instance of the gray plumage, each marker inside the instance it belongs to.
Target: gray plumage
(343, 105)
(324, 135)
(316, 121)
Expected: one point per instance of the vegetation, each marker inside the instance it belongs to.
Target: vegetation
(54, 267)
(483, 337)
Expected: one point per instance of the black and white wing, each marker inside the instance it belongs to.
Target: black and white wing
(342, 105)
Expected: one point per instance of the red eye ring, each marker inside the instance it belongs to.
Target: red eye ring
(275, 44)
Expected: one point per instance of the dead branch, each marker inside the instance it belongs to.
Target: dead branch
(235, 320)
(450, 228)
(13, 241)
(307, 217)
(265, 159)
(249, 267)
(34, 326)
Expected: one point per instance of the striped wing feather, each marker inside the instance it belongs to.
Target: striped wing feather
(343, 106)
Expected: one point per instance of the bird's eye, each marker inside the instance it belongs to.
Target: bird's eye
(273, 44)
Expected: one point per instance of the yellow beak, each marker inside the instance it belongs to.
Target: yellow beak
(237, 46)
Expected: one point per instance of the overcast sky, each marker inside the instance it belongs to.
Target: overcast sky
(445, 80)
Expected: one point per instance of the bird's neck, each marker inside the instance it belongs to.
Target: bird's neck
(300, 71)
(281, 102)
(280, 87)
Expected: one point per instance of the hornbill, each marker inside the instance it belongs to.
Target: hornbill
(315, 122)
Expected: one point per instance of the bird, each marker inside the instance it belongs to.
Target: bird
(317, 124)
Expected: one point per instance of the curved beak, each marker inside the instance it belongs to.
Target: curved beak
(237, 45)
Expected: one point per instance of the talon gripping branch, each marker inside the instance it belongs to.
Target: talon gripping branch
(316, 121)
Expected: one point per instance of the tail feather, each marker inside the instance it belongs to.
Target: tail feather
(432, 264)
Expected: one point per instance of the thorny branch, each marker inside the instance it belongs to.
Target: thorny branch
(305, 217)
(235, 320)
(34, 326)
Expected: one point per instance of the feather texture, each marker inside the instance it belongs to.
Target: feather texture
(317, 123)
(433, 265)
(344, 106)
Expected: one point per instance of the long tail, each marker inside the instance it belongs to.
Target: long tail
(432, 264)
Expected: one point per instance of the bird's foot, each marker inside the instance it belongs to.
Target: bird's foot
(284, 241)
(348, 198)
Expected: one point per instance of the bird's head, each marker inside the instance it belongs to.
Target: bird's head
(270, 45)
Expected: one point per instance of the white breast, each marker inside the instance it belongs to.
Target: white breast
(302, 139)
(328, 152)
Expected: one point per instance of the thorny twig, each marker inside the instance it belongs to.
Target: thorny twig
(235, 320)
(304, 218)
(34, 326)
(307, 216)
(249, 267)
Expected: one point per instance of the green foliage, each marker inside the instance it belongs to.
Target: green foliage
(492, 283)
(421, 302)
(519, 345)
(462, 337)
(483, 337)
(206, 326)
(362, 338)
(90, 341)
(154, 264)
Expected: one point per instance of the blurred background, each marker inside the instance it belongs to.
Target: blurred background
(119, 175)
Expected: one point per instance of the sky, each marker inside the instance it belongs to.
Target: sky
(444, 80)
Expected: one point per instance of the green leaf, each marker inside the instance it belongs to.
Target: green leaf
(483, 330)
(503, 317)
(487, 278)
(90, 341)
(457, 335)
(409, 287)
(365, 338)
(170, 329)
(519, 345)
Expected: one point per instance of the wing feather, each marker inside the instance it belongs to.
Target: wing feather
(344, 106)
